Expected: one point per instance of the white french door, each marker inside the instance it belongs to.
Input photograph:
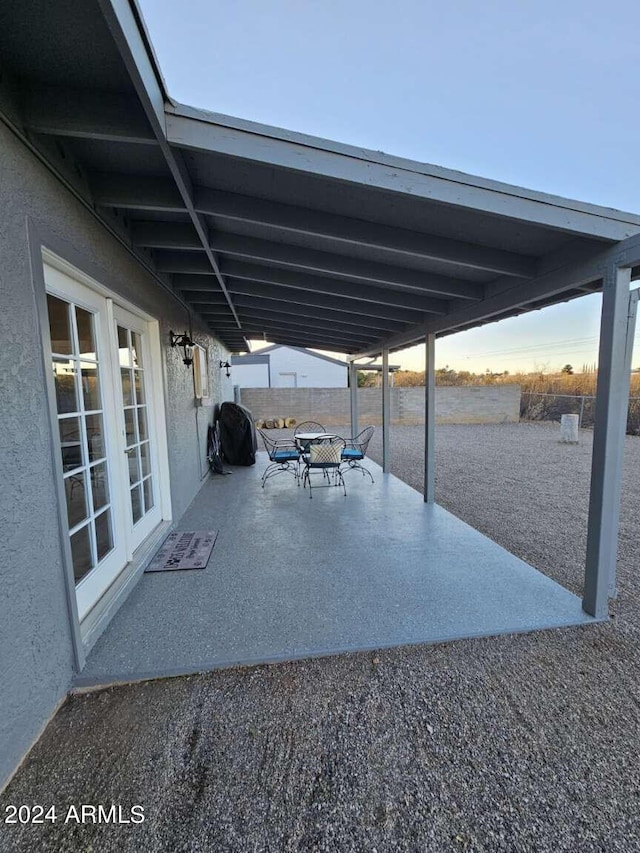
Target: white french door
(137, 425)
(104, 399)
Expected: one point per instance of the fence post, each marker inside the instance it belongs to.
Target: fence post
(581, 412)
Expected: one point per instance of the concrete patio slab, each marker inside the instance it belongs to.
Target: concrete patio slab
(291, 578)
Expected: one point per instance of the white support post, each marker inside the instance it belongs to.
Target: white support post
(430, 421)
(612, 402)
(386, 455)
(353, 396)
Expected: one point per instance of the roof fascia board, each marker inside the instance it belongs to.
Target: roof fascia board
(124, 21)
(552, 283)
(307, 351)
(199, 130)
(249, 358)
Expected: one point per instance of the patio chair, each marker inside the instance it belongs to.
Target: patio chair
(307, 426)
(325, 456)
(284, 455)
(356, 449)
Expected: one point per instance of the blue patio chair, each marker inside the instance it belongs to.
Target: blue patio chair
(355, 450)
(284, 455)
(324, 456)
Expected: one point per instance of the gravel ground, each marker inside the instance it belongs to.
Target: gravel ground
(517, 743)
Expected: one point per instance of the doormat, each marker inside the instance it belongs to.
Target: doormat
(184, 549)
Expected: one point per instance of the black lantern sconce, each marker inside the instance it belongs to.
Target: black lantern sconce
(224, 365)
(186, 343)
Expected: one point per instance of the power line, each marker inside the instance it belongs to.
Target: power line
(533, 347)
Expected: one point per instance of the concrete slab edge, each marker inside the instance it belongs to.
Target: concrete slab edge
(89, 684)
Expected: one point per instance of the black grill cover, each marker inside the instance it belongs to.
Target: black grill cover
(238, 440)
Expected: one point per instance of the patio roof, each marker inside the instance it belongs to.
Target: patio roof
(266, 232)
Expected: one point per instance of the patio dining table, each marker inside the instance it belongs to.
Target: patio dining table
(307, 437)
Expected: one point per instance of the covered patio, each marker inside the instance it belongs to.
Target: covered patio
(293, 578)
(260, 232)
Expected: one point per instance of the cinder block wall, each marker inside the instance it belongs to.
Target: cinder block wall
(477, 404)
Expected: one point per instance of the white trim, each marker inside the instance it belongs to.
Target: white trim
(159, 419)
(55, 261)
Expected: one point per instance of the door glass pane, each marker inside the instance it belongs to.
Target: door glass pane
(95, 437)
(59, 325)
(123, 347)
(127, 391)
(90, 385)
(136, 504)
(134, 464)
(130, 426)
(76, 494)
(86, 340)
(70, 443)
(139, 383)
(142, 424)
(136, 349)
(81, 553)
(99, 489)
(148, 494)
(145, 460)
(64, 376)
(104, 534)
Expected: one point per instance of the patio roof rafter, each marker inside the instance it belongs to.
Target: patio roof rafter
(360, 294)
(349, 231)
(365, 291)
(553, 283)
(252, 317)
(256, 327)
(346, 323)
(85, 114)
(307, 261)
(310, 306)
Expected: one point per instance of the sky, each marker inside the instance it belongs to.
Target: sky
(543, 94)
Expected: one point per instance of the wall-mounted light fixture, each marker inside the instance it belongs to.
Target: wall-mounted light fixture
(224, 365)
(186, 343)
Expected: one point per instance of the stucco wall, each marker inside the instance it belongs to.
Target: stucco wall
(455, 405)
(36, 656)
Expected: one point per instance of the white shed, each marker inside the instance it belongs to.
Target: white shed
(280, 366)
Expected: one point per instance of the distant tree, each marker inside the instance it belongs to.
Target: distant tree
(568, 369)
(366, 379)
